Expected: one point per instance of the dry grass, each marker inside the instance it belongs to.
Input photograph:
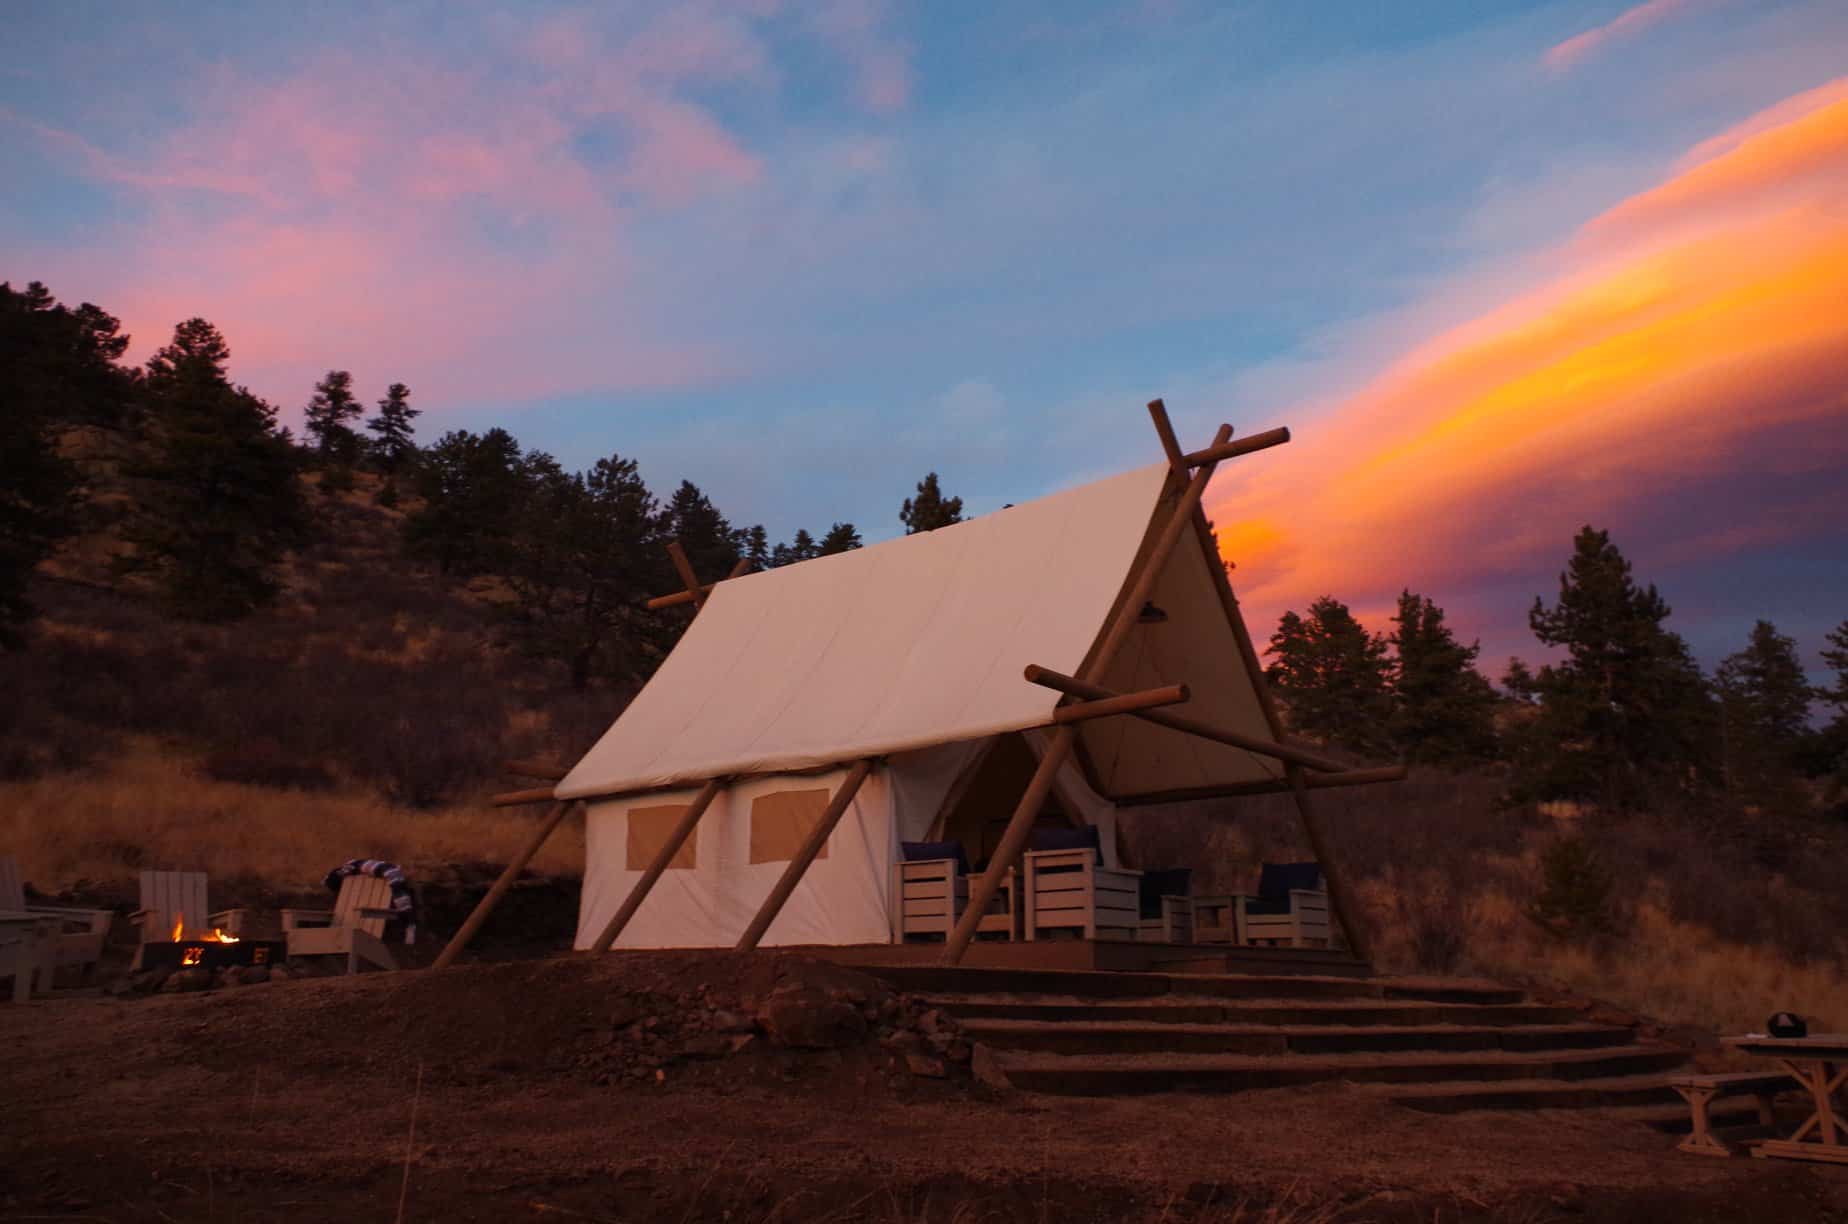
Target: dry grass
(1714, 923)
(154, 808)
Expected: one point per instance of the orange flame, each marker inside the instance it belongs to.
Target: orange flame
(179, 927)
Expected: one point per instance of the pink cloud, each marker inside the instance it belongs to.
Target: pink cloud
(1676, 374)
(1628, 24)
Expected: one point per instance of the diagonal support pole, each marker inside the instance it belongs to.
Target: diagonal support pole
(805, 855)
(675, 839)
(1020, 824)
(460, 940)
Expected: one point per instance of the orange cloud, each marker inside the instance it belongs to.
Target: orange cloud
(1625, 25)
(1685, 373)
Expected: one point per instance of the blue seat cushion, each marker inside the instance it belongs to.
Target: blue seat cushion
(1277, 880)
(1063, 837)
(1173, 882)
(1266, 905)
(924, 852)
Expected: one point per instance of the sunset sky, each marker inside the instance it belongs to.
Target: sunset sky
(1501, 274)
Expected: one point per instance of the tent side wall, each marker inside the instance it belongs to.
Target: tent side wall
(711, 894)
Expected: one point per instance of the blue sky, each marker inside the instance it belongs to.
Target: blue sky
(801, 254)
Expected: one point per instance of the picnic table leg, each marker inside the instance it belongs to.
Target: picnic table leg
(1702, 1140)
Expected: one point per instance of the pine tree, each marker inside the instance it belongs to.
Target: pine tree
(840, 538)
(329, 412)
(1764, 718)
(757, 547)
(703, 532)
(801, 547)
(218, 504)
(929, 510)
(1443, 709)
(393, 447)
(471, 486)
(1829, 751)
(1333, 676)
(57, 369)
(1628, 705)
(585, 552)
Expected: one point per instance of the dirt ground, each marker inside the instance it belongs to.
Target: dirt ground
(539, 1090)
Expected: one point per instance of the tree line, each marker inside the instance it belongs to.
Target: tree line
(1622, 716)
(216, 501)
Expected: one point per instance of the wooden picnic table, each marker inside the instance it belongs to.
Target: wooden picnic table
(1820, 1064)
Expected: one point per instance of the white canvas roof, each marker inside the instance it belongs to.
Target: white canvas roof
(922, 640)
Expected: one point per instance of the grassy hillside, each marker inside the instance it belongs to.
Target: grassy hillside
(365, 713)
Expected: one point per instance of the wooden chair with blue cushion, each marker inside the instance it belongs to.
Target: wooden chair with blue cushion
(1166, 906)
(930, 890)
(1069, 888)
(1290, 910)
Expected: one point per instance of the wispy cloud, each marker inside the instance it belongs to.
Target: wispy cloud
(1628, 24)
(1679, 375)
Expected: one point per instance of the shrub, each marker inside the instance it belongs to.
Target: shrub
(1575, 895)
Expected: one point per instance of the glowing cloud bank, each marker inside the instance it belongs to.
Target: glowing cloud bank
(1683, 377)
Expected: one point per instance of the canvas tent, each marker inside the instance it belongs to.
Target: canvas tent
(814, 716)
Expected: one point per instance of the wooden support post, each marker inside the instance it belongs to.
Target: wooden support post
(535, 769)
(1338, 898)
(1270, 786)
(536, 794)
(1170, 445)
(1014, 840)
(805, 855)
(1095, 694)
(675, 840)
(1121, 703)
(696, 594)
(485, 906)
(1244, 446)
(685, 568)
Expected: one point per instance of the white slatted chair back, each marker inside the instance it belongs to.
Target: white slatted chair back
(174, 895)
(12, 891)
(359, 893)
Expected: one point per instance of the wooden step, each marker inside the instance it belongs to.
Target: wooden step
(1644, 1091)
(1125, 1074)
(1139, 1037)
(1183, 1009)
(1096, 984)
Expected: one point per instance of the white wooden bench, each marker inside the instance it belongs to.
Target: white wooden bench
(28, 950)
(1071, 890)
(1700, 1091)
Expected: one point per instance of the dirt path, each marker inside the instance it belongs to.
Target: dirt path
(293, 1101)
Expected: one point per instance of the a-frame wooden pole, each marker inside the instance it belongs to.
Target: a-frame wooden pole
(1020, 825)
(1339, 898)
(460, 940)
(675, 839)
(805, 855)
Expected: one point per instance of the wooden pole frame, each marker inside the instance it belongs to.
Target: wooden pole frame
(536, 794)
(1270, 786)
(805, 855)
(1020, 824)
(1332, 872)
(1095, 695)
(460, 940)
(1109, 703)
(675, 839)
(696, 591)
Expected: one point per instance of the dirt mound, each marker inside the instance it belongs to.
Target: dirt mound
(716, 1018)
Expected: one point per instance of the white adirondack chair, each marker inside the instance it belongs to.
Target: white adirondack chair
(170, 898)
(930, 895)
(355, 927)
(28, 949)
(79, 934)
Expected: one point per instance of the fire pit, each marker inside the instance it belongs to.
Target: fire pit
(214, 951)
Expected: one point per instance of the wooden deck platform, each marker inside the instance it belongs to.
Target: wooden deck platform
(1109, 955)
